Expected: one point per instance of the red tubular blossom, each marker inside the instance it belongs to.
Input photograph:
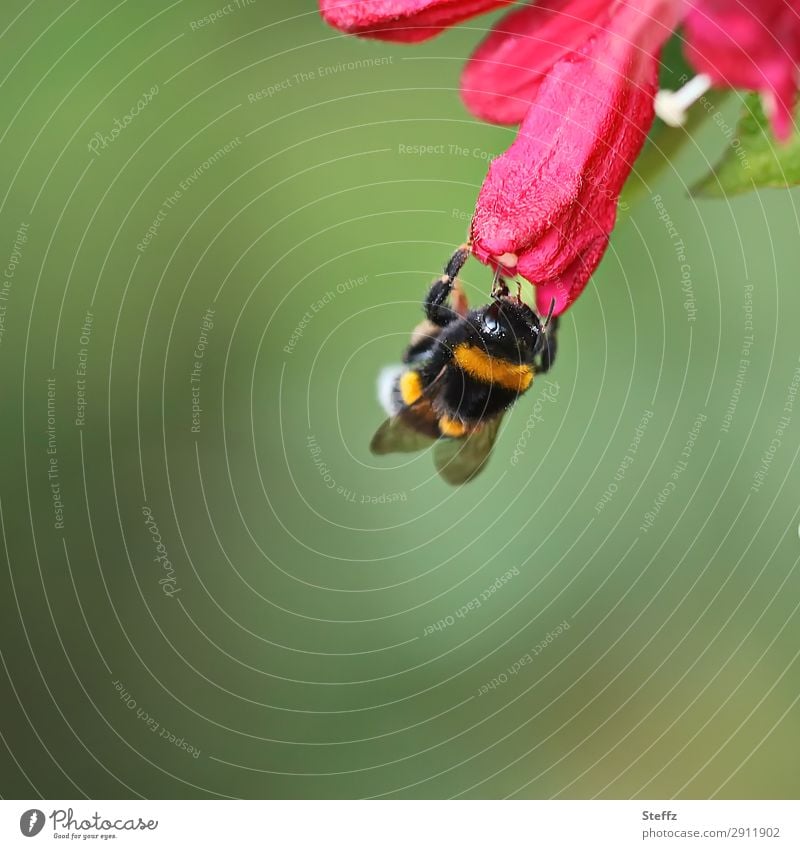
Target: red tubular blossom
(753, 44)
(581, 76)
(402, 20)
(549, 202)
(503, 75)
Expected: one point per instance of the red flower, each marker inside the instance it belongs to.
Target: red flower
(581, 76)
(753, 45)
(504, 73)
(549, 203)
(402, 20)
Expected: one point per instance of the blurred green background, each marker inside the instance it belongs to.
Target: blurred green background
(197, 308)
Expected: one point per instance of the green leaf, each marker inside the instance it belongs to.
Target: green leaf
(753, 159)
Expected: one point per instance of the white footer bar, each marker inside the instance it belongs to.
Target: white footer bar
(402, 824)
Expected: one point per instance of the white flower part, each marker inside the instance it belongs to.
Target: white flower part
(671, 106)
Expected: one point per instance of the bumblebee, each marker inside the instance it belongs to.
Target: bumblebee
(461, 371)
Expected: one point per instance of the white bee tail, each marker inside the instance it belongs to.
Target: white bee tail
(387, 383)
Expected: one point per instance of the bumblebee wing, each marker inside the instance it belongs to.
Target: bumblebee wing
(460, 460)
(398, 435)
(413, 428)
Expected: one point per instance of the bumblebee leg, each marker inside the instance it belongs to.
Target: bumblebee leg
(547, 356)
(457, 260)
(458, 298)
(435, 303)
(499, 285)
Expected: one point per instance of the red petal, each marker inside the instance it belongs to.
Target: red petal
(501, 79)
(551, 199)
(401, 20)
(754, 45)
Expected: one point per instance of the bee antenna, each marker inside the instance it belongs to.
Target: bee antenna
(495, 278)
(550, 312)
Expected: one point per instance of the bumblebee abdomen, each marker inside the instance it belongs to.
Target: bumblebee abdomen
(410, 386)
(470, 400)
(398, 387)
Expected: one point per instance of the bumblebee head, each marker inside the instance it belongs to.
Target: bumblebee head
(509, 328)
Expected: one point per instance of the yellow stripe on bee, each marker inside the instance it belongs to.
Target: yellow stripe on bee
(451, 427)
(489, 369)
(410, 387)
